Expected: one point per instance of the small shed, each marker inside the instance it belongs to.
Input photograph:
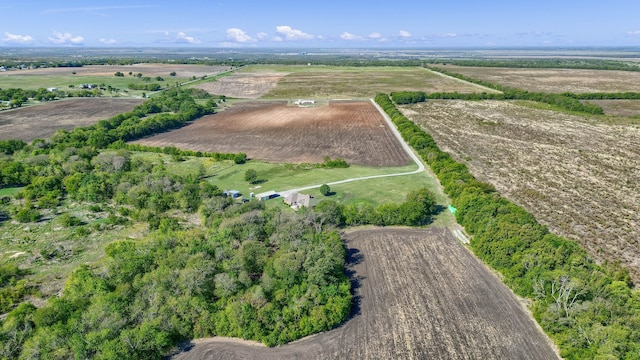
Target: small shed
(232, 193)
(267, 195)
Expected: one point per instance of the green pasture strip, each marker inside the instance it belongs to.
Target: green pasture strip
(10, 190)
(280, 177)
(62, 82)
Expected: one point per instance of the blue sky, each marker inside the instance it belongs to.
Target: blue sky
(324, 23)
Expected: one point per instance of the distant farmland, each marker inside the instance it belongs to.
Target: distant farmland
(554, 80)
(355, 82)
(61, 77)
(575, 174)
(420, 294)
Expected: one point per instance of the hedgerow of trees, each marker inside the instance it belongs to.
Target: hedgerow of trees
(590, 310)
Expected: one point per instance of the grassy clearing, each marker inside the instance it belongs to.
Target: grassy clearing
(389, 190)
(280, 177)
(51, 251)
(62, 82)
(10, 191)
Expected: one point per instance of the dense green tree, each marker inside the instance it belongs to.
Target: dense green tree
(251, 175)
(325, 190)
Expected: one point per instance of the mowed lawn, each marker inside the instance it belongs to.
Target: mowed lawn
(337, 82)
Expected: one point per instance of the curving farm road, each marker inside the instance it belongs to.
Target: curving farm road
(398, 136)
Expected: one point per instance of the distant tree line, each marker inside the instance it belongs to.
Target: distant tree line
(591, 64)
(147, 87)
(590, 310)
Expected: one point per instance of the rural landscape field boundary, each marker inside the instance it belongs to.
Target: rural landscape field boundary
(490, 218)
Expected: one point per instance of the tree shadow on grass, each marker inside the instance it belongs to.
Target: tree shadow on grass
(439, 209)
(4, 216)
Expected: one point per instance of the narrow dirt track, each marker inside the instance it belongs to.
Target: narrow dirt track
(419, 294)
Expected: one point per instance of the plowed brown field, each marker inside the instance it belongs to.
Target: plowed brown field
(242, 85)
(42, 121)
(354, 131)
(420, 294)
(619, 107)
(577, 175)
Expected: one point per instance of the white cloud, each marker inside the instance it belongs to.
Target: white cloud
(292, 34)
(262, 35)
(375, 35)
(405, 34)
(634, 33)
(108, 41)
(66, 39)
(182, 37)
(348, 36)
(17, 39)
(276, 39)
(239, 36)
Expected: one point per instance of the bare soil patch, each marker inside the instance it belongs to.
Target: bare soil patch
(42, 121)
(420, 294)
(576, 175)
(242, 85)
(163, 70)
(555, 80)
(274, 131)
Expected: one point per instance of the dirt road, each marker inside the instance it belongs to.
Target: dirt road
(405, 146)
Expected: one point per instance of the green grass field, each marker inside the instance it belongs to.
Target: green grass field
(10, 191)
(279, 177)
(62, 82)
